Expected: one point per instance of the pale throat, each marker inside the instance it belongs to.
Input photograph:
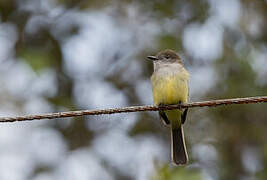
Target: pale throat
(174, 67)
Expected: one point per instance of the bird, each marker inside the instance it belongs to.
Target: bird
(170, 86)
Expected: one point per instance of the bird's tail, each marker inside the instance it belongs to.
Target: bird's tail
(179, 154)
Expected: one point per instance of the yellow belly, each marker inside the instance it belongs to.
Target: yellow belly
(170, 89)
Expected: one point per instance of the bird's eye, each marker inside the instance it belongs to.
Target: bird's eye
(167, 57)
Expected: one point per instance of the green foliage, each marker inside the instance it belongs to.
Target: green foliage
(168, 41)
(38, 59)
(170, 173)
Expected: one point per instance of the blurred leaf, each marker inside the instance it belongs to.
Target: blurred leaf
(169, 41)
(85, 4)
(6, 9)
(145, 125)
(167, 173)
(165, 7)
(77, 135)
(36, 58)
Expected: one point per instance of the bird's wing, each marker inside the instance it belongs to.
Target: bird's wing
(164, 118)
(184, 115)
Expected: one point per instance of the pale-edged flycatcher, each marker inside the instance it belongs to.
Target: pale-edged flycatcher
(170, 86)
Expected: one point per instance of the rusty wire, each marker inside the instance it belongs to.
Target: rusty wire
(211, 103)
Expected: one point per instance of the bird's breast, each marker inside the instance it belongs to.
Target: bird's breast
(170, 87)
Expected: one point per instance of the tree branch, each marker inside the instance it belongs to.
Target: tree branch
(211, 103)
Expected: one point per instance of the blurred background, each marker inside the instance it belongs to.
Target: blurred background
(61, 55)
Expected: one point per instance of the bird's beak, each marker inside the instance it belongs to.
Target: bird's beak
(153, 58)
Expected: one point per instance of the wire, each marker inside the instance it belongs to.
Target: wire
(211, 103)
